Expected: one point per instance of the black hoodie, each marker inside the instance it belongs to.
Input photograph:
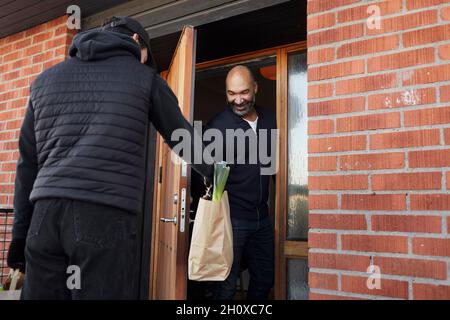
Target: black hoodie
(84, 132)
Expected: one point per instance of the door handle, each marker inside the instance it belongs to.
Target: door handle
(173, 220)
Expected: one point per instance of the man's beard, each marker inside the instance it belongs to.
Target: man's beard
(244, 108)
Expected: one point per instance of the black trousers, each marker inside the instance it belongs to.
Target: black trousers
(254, 242)
(80, 250)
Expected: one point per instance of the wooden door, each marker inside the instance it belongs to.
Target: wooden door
(168, 279)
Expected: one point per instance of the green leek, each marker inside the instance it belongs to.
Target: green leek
(221, 171)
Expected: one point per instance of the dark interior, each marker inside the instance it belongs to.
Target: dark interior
(269, 27)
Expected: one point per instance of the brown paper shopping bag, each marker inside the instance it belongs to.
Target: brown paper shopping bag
(211, 252)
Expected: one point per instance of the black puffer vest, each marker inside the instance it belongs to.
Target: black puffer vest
(90, 118)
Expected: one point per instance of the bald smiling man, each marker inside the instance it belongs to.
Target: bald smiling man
(248, 188)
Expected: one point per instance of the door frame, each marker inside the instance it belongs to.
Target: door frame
(283, 249)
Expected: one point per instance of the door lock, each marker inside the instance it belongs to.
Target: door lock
(173, 220)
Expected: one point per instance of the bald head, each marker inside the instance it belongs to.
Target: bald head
(241, 72)
(241, 90)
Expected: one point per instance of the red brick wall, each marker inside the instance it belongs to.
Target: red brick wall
(22, 57)
(379, 149)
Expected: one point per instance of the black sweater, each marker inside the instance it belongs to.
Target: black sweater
(247, 187)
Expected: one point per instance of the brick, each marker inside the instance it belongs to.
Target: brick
(321, 21)
(55, 42)
(320, 126)
(43, 57)
(360, 12)
(338, 261)
(62, 51)
(320, 55)
(6, 188)
(337, 144)
(337, 221)
(389, 288)
(323, 281)
(412, 267)
(431, 247)
(41, 37)
(9, 167)
(372, 243)
(445, 93)
(5, 49)
(430, 116)
(53, 62)
(447, 181)
(14, 124)
(412, 97)
(322, 202)
(404, 22)
(321, 296)
(444, 52)
(347, 182)
(401, 60)
(320, 90)
(368, 122)
(406, 139)
(336, 70)
(315, 6)
(322, 240)
(10, 76)
(322, 163)
(429, 159)
(445, 13)
(363, 47)
(428, 35)
(336, 106)
(12, 56)
(335, 35)
(21, 63)
(419, 4)
(374, 202)
(8, 116)
(426, 75)
(364, 84)
(424, 291)
(447, 136)
(430, 202)
(22, 44)
(407, 181)
(377, 161)
(62, 30)
(448, 218)
(404, 223)
(34, 69)
(34, 49)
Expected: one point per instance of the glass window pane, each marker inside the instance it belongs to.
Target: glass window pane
(297, 284)
(297, 219)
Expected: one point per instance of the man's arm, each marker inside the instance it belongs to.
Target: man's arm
(167, 117)
(25, 176)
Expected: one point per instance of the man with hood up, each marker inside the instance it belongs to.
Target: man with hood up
(81, 172)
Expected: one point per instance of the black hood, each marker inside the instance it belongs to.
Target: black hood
(101, 44)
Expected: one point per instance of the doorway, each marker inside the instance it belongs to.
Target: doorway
(209, 99)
